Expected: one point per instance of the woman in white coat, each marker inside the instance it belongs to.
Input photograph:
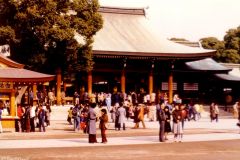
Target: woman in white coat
(121, 111)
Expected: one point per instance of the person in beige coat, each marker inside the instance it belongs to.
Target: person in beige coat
(235, 110)
(139, 116)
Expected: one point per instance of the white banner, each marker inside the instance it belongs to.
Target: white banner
(5, 50)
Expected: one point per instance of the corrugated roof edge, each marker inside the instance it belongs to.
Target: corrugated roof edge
(123, 10)
(154, 54)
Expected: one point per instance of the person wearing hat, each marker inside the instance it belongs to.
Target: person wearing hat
(102, 125)
(92, 124)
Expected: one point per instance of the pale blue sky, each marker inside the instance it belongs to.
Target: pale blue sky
(189, 19)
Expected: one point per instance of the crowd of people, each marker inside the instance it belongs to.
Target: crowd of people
(31, 117)
(116, 108)
(137, 107)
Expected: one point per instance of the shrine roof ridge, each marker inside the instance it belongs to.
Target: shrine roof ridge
(122, 10)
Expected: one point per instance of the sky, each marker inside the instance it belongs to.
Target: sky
(189, 19)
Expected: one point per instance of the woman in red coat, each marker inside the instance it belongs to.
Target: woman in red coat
(102, 125)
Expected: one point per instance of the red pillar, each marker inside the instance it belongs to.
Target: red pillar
(59, 81)
(170, 88)
(150, 83)
(12, 103)
(123, 82)
(89, 83)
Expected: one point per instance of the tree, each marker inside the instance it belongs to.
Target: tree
(228, 50)
(232, 39)
(214, 43)
(230, 56)
(42, 32)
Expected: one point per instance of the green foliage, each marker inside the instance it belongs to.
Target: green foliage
(41, 32)
(231, 56)
(7, 35)
(232, 39)
(228, 50)
(214, 43)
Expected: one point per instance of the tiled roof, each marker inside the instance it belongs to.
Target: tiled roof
(129, 34)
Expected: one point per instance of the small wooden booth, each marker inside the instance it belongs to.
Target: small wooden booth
(12, 77)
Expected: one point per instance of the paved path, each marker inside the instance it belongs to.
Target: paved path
(225, 129)
(81, 142)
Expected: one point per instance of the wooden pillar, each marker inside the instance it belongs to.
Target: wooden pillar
(12, 103)
(34, 90)
(59, 81)
(123, 82)
(150, 83)
(34, 93)
(89, 83)
(170, 88)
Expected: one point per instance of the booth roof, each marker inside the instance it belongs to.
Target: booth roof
(23, 75)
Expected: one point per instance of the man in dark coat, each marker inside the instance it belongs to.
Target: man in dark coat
(27, 118)
(161, 118)
(41, 118)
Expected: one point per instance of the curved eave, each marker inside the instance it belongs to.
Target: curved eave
(119, 54)
(207, 64)
(10, 63)
(23, 75)
(228, 77)
(27, 80)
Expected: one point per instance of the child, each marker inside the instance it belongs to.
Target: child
(83, 120)
(69, 119)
